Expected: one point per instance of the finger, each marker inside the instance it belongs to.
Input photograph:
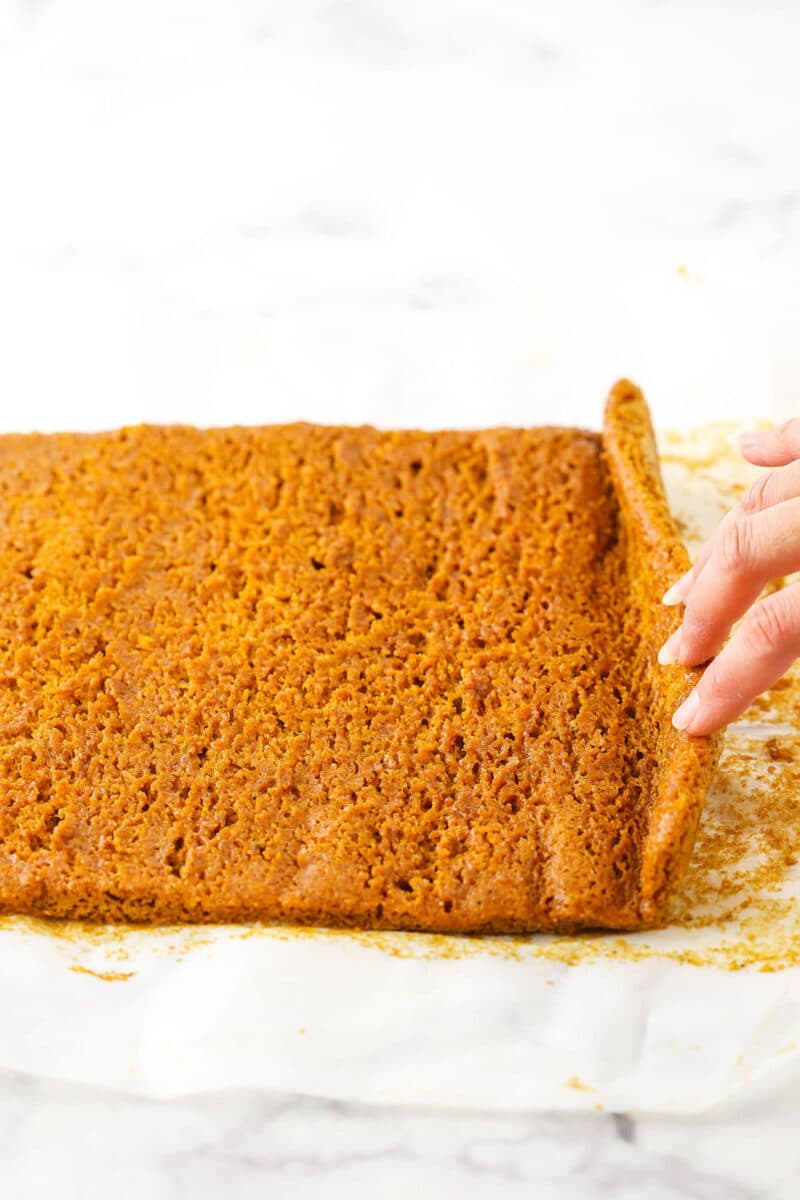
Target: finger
(772, 447)
(679, 590)
(763, 648)
(773, 487)
(748, 552)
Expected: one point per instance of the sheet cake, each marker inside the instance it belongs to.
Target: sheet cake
(342, 676)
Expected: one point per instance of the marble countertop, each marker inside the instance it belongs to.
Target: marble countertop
(280, 160)
(86, 1142)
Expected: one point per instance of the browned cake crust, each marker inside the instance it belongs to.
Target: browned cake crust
(342, 676)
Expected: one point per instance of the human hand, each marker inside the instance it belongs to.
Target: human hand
(758, 541)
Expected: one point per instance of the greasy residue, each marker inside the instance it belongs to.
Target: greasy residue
(106, 976)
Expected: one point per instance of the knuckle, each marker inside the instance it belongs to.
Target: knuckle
(769, 624)
(755, 499)
(734, 548)
(719, 688)
(712, 684)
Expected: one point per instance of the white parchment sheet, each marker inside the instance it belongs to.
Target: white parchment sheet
(656, 1021)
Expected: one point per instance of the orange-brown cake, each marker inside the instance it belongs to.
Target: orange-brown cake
(342, 676)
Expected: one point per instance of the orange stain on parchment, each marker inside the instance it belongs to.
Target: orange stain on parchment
(578, 1085)
(107, 976)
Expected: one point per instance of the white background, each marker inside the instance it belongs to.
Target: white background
(411, 213)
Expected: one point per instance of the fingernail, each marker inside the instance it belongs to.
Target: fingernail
(677, 593)
(668, 654)
(683, 717)
(673, 595)
(748, 440)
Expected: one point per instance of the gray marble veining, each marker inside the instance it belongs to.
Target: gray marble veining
(239, 1144)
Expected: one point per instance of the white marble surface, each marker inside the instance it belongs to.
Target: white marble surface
(89, 1143)
(270, 165)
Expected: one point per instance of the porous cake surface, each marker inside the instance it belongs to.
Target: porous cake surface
(338, 675)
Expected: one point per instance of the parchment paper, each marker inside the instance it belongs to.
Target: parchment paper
(671, 1021)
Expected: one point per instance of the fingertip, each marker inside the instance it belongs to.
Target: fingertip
(772, 447)
(672, 596)
(669, 652)
(751, 445)
(679, 590)
(684, 717)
